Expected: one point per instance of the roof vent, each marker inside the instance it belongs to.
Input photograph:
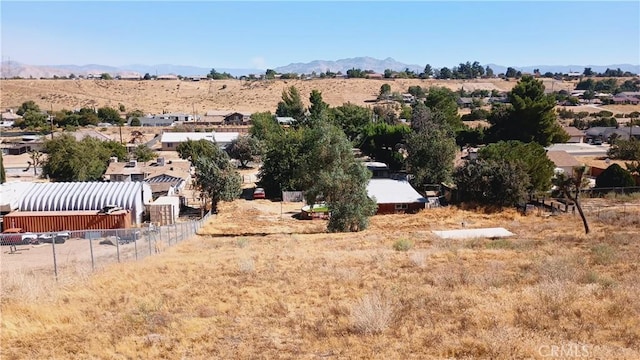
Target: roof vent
(160, 161)
(132, 163)
(113, 159)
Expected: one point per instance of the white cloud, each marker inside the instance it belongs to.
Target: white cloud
(259, 63)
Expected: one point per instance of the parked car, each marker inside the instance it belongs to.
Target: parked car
(59, 237)
(258, 193)
(17, 236)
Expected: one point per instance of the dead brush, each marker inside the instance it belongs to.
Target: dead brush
(372, 314)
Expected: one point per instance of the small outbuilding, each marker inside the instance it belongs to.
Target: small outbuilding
(395, 196)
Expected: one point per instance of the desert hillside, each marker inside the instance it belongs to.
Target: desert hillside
(189, 96)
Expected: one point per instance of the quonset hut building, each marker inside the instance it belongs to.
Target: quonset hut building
(64, 197)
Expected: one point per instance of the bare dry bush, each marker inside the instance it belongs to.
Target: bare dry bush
(372, 314)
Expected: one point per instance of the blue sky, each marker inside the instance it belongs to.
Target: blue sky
(270, 34)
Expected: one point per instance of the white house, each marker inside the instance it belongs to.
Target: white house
(163, 119)
(170, 140)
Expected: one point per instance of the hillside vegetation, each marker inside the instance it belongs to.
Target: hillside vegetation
(189, 96)
(393, 291)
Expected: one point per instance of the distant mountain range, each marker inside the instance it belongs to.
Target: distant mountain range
(16, 69)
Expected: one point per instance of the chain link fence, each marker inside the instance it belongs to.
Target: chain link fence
(96, 248)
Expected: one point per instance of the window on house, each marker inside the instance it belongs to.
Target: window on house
(402, 206)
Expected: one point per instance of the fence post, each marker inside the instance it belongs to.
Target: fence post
(93, 263)
(55, 263)
(118, 245)
(135, 245)
(149, 242)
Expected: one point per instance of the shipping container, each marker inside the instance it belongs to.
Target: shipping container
(50, 221)
(165, 210)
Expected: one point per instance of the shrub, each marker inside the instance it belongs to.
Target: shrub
(615, 176)
(372, 314)
(402, 245)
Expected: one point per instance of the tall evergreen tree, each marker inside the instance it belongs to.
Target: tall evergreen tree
(530, 118)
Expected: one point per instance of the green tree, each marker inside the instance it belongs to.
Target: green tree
(318, 109)
(443, 100)
(488, 182)
(431, 147)
(382, 142)
(427, 73)
(244, 149)
(109, 115)
(32, 120)
(105, 76)
(146, 76)
(625, 150)
(217, 179)
(270, 74)
(264, 125)
(444, 73)
(143, 153)
(135, 113)
(193, 149)
(531, 157)
(135, 122)
(214, 75)
(291, 104)
(385, 90)
(531, 116)
(86, 160)
(331, 172)
(511, 73)
(282, 161)
(489, 72)
(27, 106)
(615, 176)
(588, 72)
(351, 118)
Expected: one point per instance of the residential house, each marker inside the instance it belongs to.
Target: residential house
(395, 196)
(465, 102)
(82, 134)
(215, 117)
(167, 77)
(129, 77)
(563, 161)
(601, 133)
(378, 169)
(171, 140)
(408, 98)
(168, 119)
(164, 177)
(238, 118)
(9, 115)
(375, 76)
(576, 135)
(625, 100)
(625, 133)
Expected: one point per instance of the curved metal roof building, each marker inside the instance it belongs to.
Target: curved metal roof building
(73, 196)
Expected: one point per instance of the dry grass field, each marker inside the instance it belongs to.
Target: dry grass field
(253, 285)
(187, 96)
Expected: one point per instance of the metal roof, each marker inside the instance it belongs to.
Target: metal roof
(79, 196)
(391, 191)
